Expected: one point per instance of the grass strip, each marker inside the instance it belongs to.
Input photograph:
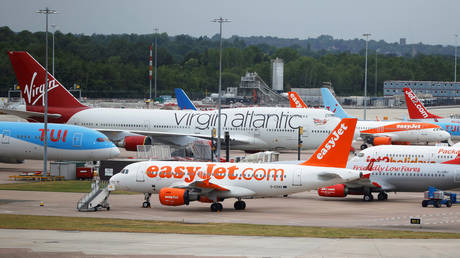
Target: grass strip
(66, 186)
(13, 221)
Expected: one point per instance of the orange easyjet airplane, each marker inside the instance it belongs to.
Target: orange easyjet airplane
(387, 132)
(179, 183)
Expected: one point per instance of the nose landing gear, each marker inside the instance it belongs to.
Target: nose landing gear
(146, 204)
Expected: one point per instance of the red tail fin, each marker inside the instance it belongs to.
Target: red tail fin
(415, 107)
(295, 100)
(335, 149)
(31, 77)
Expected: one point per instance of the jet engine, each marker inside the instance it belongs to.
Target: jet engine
(130, 142)
(382, 141)
(174, 196)
(339, 190)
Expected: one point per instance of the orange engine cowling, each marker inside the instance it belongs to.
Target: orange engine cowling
(339, 190)
(382, 141)
(174, 196)
(130, 142)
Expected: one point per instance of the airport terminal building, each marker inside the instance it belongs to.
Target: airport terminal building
(434, 89)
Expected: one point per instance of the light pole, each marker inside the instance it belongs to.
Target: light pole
(365, 75)
(54, 31)
(46, 11)
(455, 66)
(375, 86)
(155, 82)
(220, 20)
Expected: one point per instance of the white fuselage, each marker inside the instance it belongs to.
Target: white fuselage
(407, 154)
(257, 128)
(244, 180)
(410, 177)
(413, 135)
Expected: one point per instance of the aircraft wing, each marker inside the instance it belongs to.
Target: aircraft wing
(365, 136)
(27, 114)
(366, 182)
(206, 187)
(347, 175)
(234, 140)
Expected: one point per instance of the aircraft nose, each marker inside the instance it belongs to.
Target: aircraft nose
(445, 135)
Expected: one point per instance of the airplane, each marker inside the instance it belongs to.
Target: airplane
(21, 140)
(388, 132)
(250, 129)
(418, 112)
(396, 177)
(179, 183)
(295, 100)
(408, 154)
(183, 101)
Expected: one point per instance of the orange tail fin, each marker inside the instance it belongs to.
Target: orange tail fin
(31, 77)
(335, 149)
(295, 100)
(415, 107)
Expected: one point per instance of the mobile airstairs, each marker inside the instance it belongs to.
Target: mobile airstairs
(97, 198)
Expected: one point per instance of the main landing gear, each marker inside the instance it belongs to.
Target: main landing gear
(363, 146)
(382, 196)
(146, 204)
(239, 205)
(369, 197)
(217, 206)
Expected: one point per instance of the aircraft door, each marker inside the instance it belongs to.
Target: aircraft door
(297, 178)
(6, 137)
(77, 139)
(140, 175)
(457, 176)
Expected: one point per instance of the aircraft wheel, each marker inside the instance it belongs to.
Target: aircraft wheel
(424, 203)
(146, 205)
(382, 196)
(108, 208)
(215, 207)
(239, 205)
(368, 197)
(363, 146)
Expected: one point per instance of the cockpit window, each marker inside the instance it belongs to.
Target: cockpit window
(102, 139)
(124, 171)
(360, 154)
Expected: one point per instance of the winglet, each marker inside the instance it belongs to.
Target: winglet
(331, 104)
(183, 101)
(335, 149)
(295, 100)
(415, 107)
(31, 77)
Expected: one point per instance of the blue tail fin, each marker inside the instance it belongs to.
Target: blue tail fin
(182, 100)
(331, 104)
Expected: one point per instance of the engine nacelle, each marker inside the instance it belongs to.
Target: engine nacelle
(339, 190)
(174, 196)
(130, 142)
(382, 141)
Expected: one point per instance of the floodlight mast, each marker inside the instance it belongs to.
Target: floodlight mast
(220, 20)
(46, 12)
(365, 75)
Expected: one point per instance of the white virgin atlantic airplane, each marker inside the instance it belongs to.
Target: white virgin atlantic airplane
(256, 128)
(179, 183)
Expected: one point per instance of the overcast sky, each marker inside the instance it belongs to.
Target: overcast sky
(427, 21)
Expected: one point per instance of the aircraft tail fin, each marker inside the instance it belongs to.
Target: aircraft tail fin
(183, 101)
(31, 78)
(331, 104)
(335, 149)
(415, 107)
(295, 100)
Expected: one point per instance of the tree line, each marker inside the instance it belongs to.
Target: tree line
(117, 65)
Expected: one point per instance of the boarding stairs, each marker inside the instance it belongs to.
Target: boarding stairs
(97, 198)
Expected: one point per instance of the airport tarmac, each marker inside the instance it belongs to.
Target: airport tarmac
(50, 243)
